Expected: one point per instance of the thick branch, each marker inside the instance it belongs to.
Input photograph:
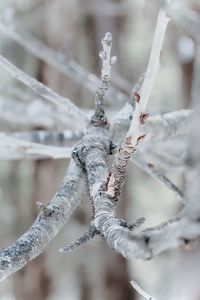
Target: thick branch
(179, 231)
(46, 226)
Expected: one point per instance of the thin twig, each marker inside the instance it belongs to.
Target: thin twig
(158, 175)
(33, 114)
(99, 117)
(42, 90)
(64, 138)
(150, 76)
(192, 172)
(138, 288)
(14, 148)
(87, 236)
(58, 61)
(185, 18)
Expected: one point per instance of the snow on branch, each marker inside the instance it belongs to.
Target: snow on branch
(18, 93)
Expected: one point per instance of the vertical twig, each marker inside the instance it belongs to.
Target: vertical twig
(99, 117)
(134, 134)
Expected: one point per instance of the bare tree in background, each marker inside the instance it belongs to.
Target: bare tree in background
(100, 143)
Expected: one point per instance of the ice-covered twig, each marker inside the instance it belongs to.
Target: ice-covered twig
(185, 18)
(58, 60)
(64, 138)
(32, 114)
(150, 76)
(99, 117)
(87, 236)
(138, 288)
(122, 120)
(158, 175)
(14, 148)
(42, 90)
(134, 134)
(18, 92)
(167, 126)
(164, 160)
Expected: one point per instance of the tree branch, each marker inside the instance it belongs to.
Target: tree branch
(51, 138)
(136, 286)
(185, 18)
(14, 148)
(167, 126)
(58, 61)
(134, 134)
(158, 175)
(46, 226)
(34, 114)
(42, 90)
(99, 117)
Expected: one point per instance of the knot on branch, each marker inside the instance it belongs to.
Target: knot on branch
(99, 118)
(93, 148)
(46, 210)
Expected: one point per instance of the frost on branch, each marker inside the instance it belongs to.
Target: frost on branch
(94, 171)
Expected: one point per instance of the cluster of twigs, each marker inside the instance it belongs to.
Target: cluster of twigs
(130, 135)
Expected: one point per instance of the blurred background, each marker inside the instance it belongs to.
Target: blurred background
(75, 29)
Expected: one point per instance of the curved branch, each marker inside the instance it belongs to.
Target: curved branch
(49, 222)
